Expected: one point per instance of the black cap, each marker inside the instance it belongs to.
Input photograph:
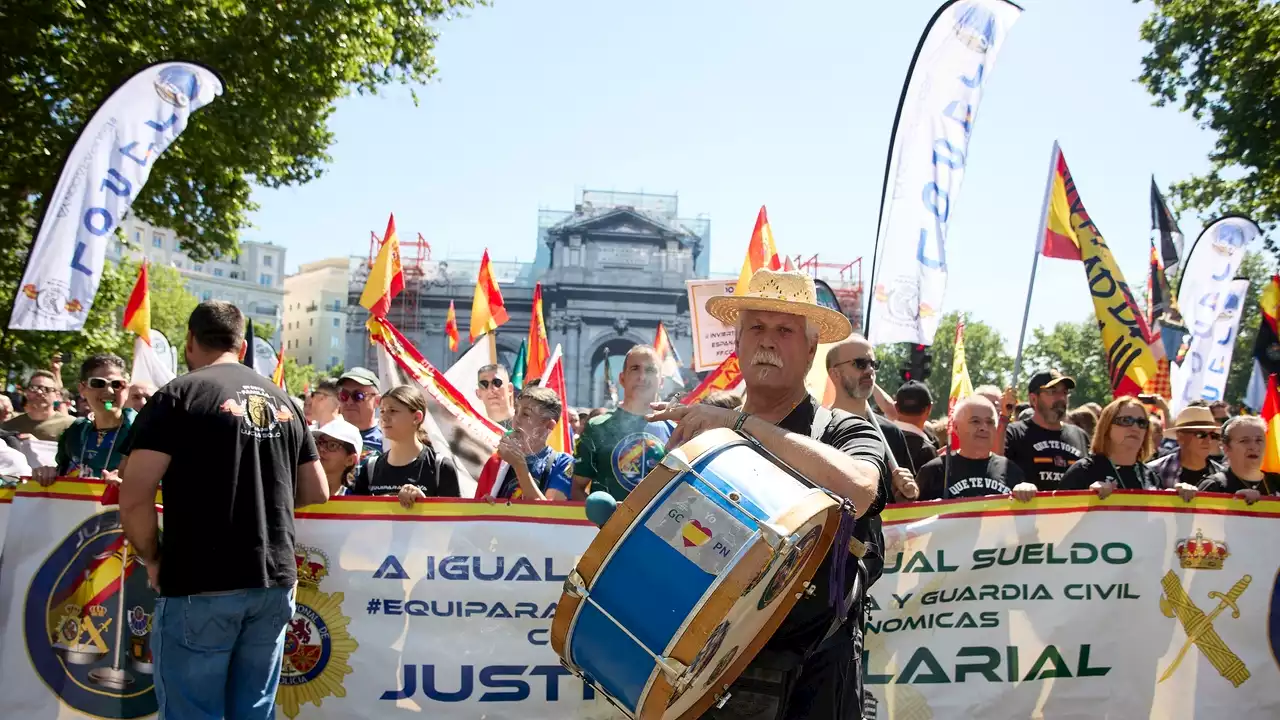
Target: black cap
(1048, 379)
(913, 397)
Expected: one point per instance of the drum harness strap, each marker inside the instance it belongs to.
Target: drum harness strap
(844, 538)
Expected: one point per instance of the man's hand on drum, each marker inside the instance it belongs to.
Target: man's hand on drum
(692, 420)
(904, 484)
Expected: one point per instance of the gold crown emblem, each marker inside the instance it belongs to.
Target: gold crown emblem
(313, 565)
(97, 611)
(1201, 553)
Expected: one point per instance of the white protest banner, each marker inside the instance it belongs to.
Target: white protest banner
(1137, 606)
(1207, 272)
(444, 609)
(101, 178)
(713, 341)
(928, 153)
(67, 625)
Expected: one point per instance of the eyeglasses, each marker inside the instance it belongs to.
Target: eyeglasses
(1202, 434)
(860, 363)
(331, 445)
(358, 396)
(42, 389)
(98, 383)
(1130, 421)
(496, 383)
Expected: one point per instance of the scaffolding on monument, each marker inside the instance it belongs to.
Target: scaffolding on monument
(845, 280)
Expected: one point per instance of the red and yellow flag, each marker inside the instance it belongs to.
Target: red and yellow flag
(137, 314)
(961, 385)
(1070, 234)
(487, 309)
(277, 376)
(725, 377)
(538, 349)
(451, 328)
(1271, 415)
(761, 253)
(561, 438)
(386, 279)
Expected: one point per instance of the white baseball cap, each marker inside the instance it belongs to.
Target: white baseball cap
(342, 431)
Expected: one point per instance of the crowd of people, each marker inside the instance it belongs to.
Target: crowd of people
(261, 453)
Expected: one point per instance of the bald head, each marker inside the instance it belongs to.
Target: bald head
(975, 423)
(851, 367)
(851, 347)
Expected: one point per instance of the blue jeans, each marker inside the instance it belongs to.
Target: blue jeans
(218, 655)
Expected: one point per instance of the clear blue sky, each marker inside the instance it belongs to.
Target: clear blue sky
(735, 104)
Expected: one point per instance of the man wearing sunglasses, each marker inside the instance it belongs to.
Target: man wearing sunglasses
(40, 419)
(1043, 447)
(94, 447)
(493, 388)
(1199, 436)
(359, 399)
(852, 366)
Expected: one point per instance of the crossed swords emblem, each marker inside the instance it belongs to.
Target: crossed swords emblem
(1199, 627)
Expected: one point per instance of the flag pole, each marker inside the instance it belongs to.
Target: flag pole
(493, 347)
(1035, 263)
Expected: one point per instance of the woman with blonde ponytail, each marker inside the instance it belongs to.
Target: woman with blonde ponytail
(409, 467)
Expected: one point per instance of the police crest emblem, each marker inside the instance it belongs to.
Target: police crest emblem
(317, 646)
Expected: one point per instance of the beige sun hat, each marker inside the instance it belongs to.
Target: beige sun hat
(782, 292)
(1193, 418)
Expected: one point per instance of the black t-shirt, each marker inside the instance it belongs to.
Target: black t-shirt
(1044, 455)
(235, 442)
(435, 476)
(1228, 482)
(920, 450)
(897, 442)
(810, 617)
(1195, 477)
(1098, 468)
(955, 476)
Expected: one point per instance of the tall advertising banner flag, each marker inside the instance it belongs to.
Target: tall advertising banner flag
(103, 175)
(928, 153)
(1203, 375)
(1207, 271)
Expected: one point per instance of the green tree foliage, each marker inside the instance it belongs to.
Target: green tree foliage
(1219, 61)
(989, 363)
(1075, 349)
(297, 377)
(283, 64)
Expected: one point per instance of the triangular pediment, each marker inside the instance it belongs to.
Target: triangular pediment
(621, 221)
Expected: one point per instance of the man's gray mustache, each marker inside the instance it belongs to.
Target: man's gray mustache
(764, 357)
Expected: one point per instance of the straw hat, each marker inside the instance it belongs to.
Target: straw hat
(1193, 418)
(782, 292)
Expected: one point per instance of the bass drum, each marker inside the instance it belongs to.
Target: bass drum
(691, 576)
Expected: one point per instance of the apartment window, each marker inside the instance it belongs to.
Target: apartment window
(265, 279)
(206, 296)
(268, 260)
(199, 268)
(337, 322)
(333, 342)
(332, 361)
(157, 240)
(312, 322)
(217, 272)
(235, 274)
(137, 237)
(308, 359)
(309, 341)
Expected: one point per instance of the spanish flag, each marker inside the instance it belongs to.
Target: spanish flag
(487, 308)
(961, 385)
(386, 279)
(277, 376)
(137, 314)
(537, 349)
(761, 253)
(451, 328)
(667, 354)
(1069, 234)
(561, 439)
(1271, 415)
(726, 376)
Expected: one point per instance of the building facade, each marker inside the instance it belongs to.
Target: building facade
(252, 280)
(611, 269)
(315, 312)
